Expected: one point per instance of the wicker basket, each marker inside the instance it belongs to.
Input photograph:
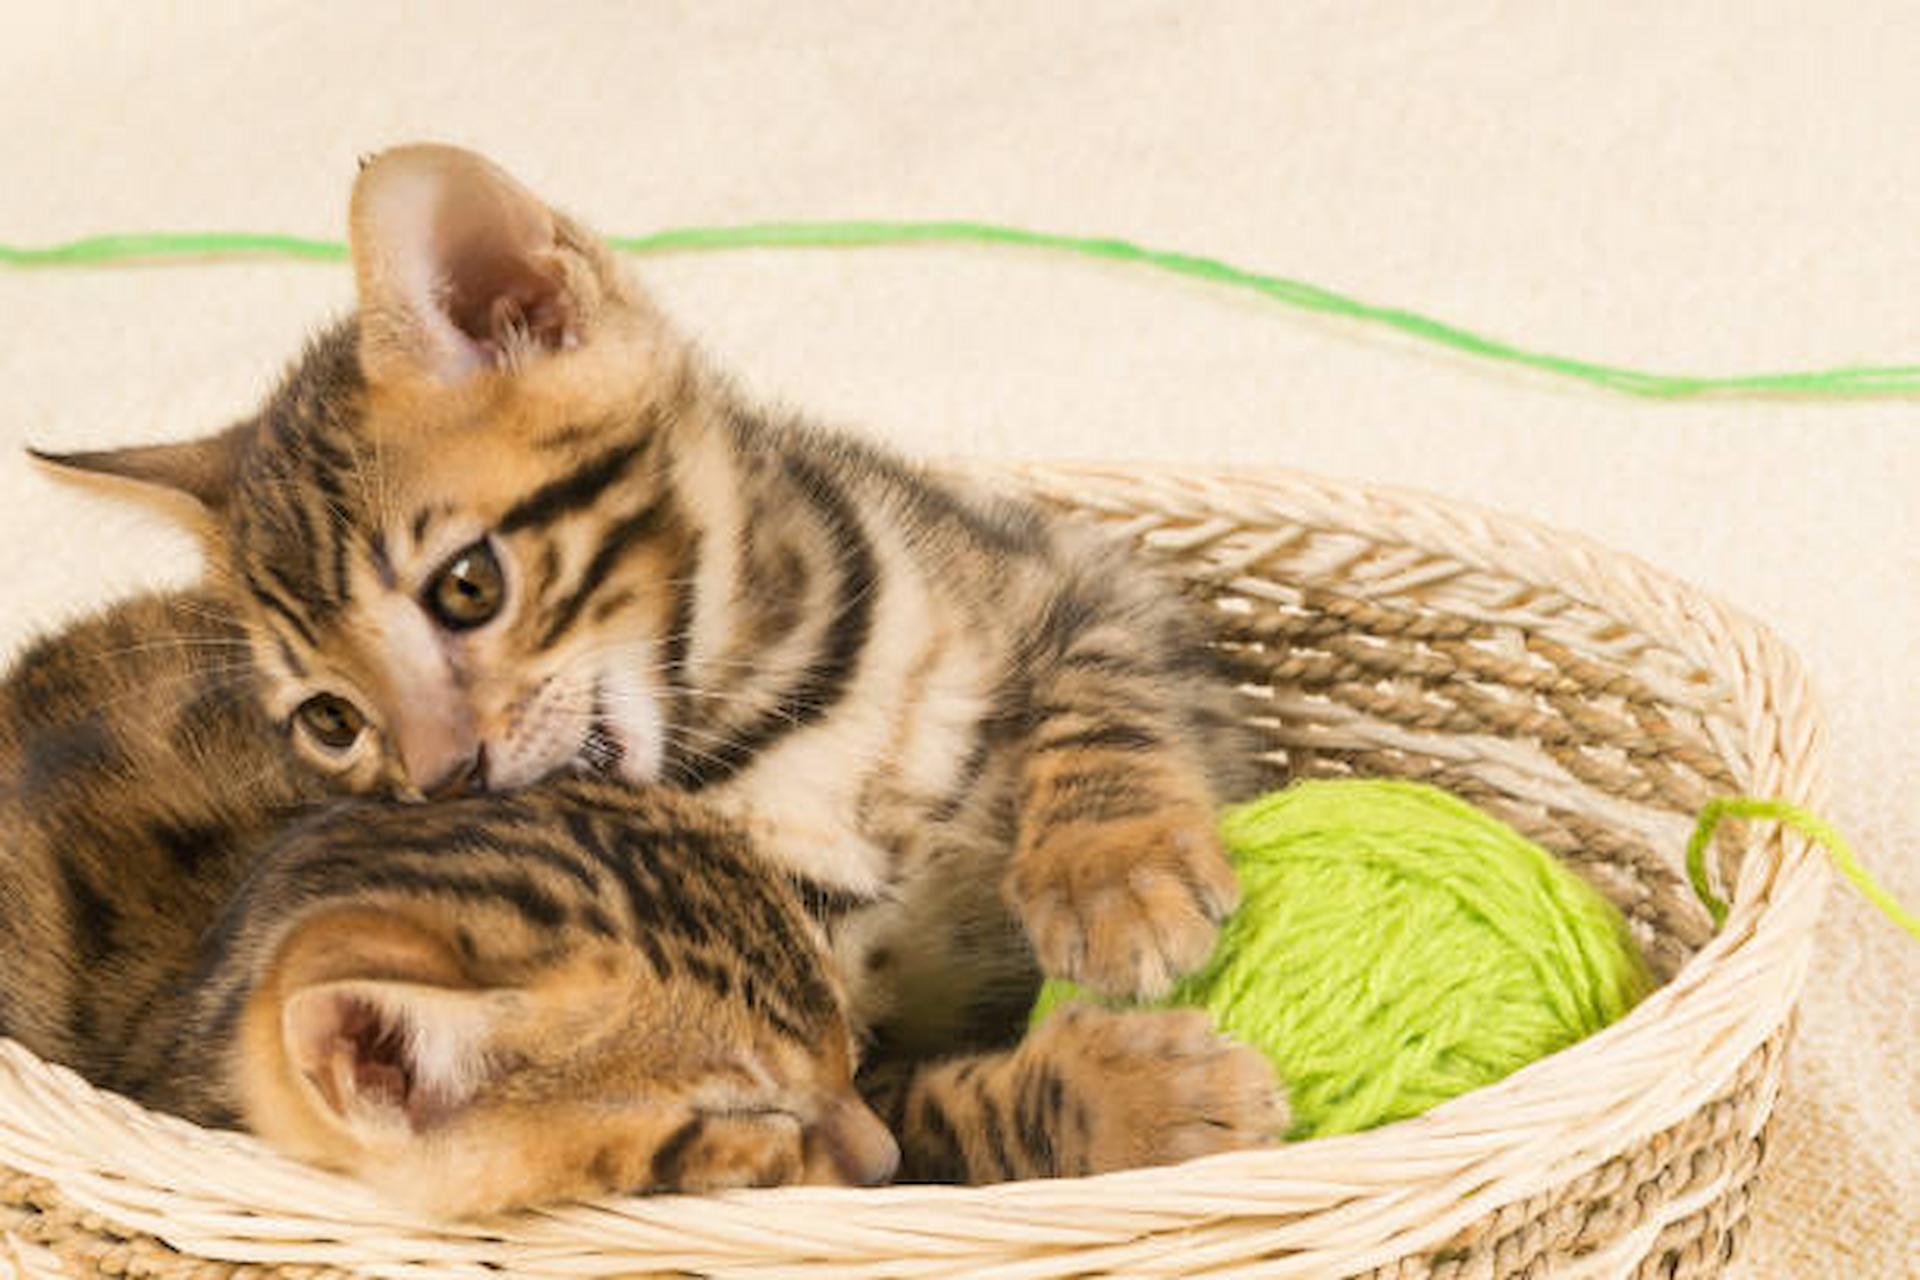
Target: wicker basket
(1588, 699)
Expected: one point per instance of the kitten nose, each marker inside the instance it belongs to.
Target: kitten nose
(848, 1145)
(468, 776)
(439, 749)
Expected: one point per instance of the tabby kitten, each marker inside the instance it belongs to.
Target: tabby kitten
(576, 989)
(504, 521)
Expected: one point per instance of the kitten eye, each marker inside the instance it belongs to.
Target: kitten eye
(468, 590)
(332, 721)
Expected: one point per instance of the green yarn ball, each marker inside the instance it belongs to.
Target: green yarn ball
(1395, 947)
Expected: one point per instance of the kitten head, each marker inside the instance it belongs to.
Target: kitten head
(452, 529)
(465, 1058)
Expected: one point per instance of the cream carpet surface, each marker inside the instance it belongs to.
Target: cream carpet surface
(1716, 187)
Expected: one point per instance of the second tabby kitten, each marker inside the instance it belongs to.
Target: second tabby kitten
(573, 990)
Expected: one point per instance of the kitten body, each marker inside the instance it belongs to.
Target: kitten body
(505, 521)
(576, 989)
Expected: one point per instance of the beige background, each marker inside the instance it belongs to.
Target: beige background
(1703, 187)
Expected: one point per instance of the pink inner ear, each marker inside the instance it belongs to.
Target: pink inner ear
(377, 1053)
(501, 278)
(362, 1056)
(495, 296)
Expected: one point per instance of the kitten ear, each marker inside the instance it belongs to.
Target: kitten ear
(202, 472)
(462, 269)
(391, 1057)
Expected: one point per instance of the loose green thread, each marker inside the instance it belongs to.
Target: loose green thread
(1807, 824)
(153, 246)
(1852, 380)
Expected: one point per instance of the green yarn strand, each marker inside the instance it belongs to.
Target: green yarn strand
(154, 246)
(1808, 824)
(1851, 381)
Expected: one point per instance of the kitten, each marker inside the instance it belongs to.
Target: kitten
(504, 521)
(573, 990)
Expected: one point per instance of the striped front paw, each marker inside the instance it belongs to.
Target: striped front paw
(1152, 1087)
(1125, 906)
(721, 1151)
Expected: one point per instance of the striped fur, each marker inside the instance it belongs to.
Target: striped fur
(1091, 1090)
(988, 742)
(137, 780)
(573, 989)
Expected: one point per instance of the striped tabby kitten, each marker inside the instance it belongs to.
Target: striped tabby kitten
(576, 989)
(505, 521)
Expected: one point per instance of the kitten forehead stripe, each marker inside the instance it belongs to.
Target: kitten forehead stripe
(382, 561)
(575, 491)
(273, 603)
(342, 572)
(288, 658)
(350, 873)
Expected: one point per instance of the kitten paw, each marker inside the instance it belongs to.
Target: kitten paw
(1161, 1087)
(725, 1152)
(1124, 907)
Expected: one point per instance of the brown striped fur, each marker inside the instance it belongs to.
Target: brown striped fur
(988, 741)
(1091, 1090)
(138, 778)
(575, 989)
(620, 998)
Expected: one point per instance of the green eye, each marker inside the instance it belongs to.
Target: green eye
(468, 590)
(331, 721)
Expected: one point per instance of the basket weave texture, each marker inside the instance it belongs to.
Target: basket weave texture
(1586, 698)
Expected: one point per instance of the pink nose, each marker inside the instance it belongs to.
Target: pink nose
(441, 755)
(848, 1146)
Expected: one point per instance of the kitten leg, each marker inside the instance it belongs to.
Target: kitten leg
(718, 1151)
(1118, 873)
(1090, 1091)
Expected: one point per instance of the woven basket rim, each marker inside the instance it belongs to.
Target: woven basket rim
(1551, 1120)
